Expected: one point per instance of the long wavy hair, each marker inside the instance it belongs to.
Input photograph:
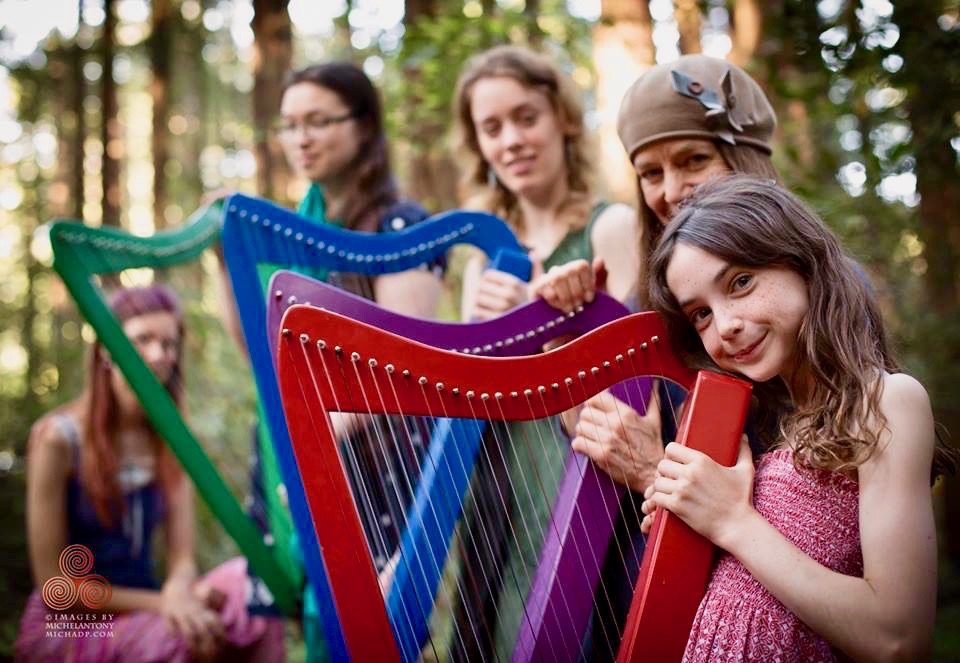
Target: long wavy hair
(740, 159)
(535, 71)
(372, 187)
(98, 465)
(841, 344)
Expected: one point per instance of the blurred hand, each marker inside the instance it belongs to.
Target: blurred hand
(622, 442)
(186, 610)
(498, 292)
(570, 285)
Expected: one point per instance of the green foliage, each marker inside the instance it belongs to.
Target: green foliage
(420, 82)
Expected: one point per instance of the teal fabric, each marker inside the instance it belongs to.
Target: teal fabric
(312, 207)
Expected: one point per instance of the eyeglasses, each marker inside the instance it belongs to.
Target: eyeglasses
(313, 126)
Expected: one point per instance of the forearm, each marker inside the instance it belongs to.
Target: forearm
(469, 286)
(856, 616)
(182, 570)
(414, 293)
(127, 599)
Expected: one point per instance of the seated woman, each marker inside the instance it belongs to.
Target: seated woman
(98, 475)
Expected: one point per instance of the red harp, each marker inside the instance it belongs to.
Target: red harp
(328, 363)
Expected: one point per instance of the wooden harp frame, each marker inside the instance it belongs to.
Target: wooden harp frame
(430, 382)
(573, 569)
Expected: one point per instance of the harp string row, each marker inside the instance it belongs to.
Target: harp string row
(529, 484)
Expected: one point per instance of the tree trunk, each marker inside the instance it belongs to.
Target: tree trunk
(687, 15)
(534, 34)
(58, 69)
(342, 32)
(273, 53)
(160, 56)
(622, 50)
(746, 25)
(432, 173)
(110, 127)
(78, 90)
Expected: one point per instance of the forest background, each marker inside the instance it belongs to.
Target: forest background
(125, 112)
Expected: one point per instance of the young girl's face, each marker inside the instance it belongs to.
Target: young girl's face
(747, 317)
(519, 134)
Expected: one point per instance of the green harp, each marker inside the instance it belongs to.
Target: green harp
(84, 254)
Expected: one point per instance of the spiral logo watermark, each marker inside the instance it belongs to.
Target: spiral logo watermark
(76, 561)
(59, 593)
(77, 583)
(95, 592)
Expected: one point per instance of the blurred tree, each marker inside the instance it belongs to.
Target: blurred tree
(535, 35)
(622, 50)
(78, 93)
(341, 30)
(745, 30)
(687, 15)
(930, 82)
(273, 53)
(430, 172)
(160, 50)
(111, 135)
(31, 387)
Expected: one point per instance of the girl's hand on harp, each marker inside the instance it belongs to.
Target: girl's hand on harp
(712, 499)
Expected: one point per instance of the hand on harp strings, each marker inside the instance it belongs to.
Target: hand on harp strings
(328, 363)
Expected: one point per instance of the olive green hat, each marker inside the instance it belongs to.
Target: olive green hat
(695, 96)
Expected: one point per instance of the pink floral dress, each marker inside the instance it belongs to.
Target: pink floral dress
(738, 619)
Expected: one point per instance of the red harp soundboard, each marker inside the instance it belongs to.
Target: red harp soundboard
(329, 363)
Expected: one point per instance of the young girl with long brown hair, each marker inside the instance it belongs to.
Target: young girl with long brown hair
(829, 537)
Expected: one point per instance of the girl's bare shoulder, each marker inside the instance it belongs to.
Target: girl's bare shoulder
(907, 435)
(49, 438)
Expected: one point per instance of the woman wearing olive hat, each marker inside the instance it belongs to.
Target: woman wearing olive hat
(681, 123)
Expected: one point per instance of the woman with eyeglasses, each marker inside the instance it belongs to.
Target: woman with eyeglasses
(332, 133)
